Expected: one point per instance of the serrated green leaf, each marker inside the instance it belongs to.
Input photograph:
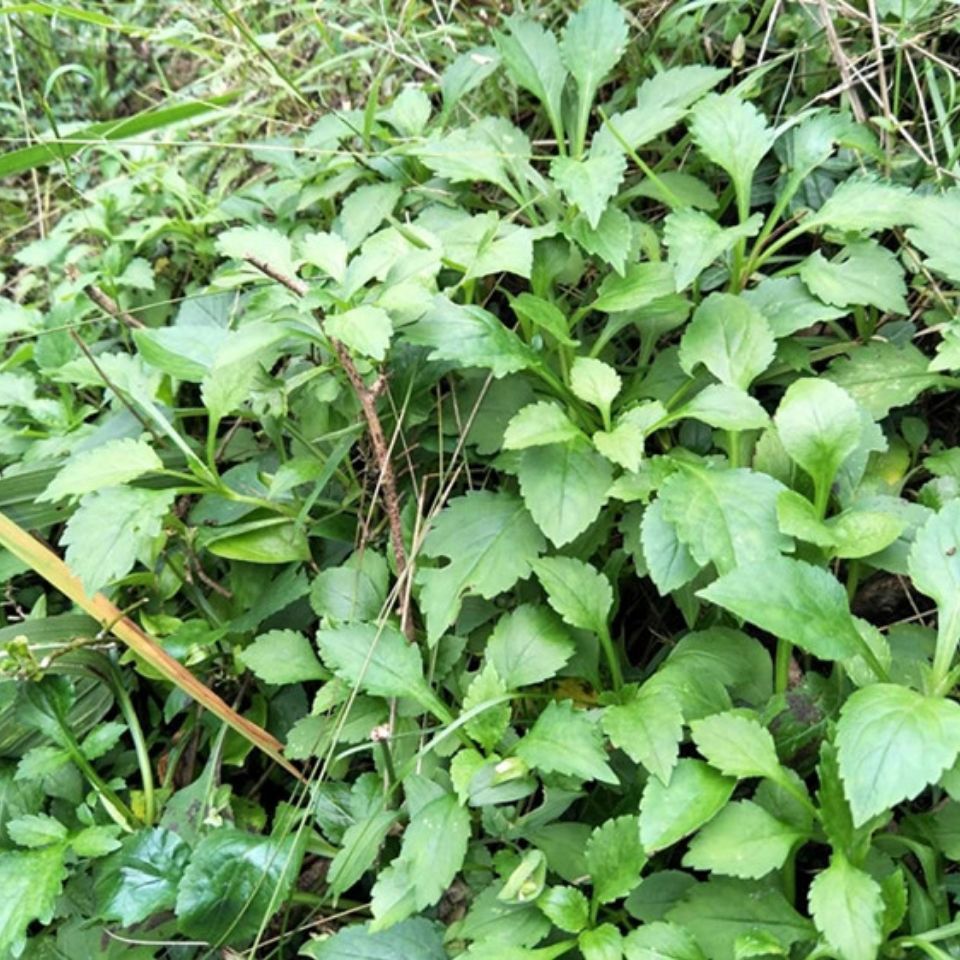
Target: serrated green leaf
(935, 219)
(263, 243)
(788, 306)
(615, 858)
(566, 740)
(328, 251)
(661, 941)
(356, 590)
(589, 183)
(819, 426)
(935, 569)
(36, 830)
(847, 907)
(115, 462)
(792, 600)
(892, 742)
(491, 542)
(31, 882)
(359, 846)
(725, 407)
(648, 729)
(720, 911)
(110, 530)
(724, 517)
(283, 656)
(434, 845)
(864, 274)
(365, 329)
(528, 645)
(669, 812)
(669, 561)
(863, 204)
(580, 594)
(736, 745)
(603, 942)
(538, 424)
(744, 841)
(694, 240)
(564, 486)
(734, 135)
(565, 907)
(487, 727)
(730, 338)
(638, 286)
(415, 939)
(880, 376)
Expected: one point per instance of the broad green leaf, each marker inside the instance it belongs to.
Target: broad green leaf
(662, 101)
(31, 882)
(640, 285)
(565, 907)
(601, 943)
(734, 135)
(880, 376)
(365, 329)
(788, 306)
(695, 795)
(798, 518)
(466, 73)
(864, 274)
(269, 541)
(415, 939)
(185, 351)
(694, 240)
(36, 830)
(610, 241)
(110, 530)
(469, 337)
(744, 841)
(115, 462)
(564, 487)
(283, 656)
(648, 729)
(359, 847)
(793, 600)
(234, 883)
(615, 858)
(669, 561)
(141, 878)
(738, 746)
(539, 424)
(507, 250)
(720, 911)
(357, 590)
(239, 359)
(741, 663)
(624, 444)
(935, 219)
(392, 898)
(862, 533)
(725, 407)
(580, 594)
(661, 941)
(589, 183)
(528, 645)
(531, 55)
(491, 543)
(592, 44)
(722, 516)
(730, 338)
(863, 204)
(364, 210)
(466, 154)
(595, 382)
(935, 568)
(847, 907)
(819, 426)
(379, 660)
(266, 244)
(566, 740)
(892, 742)
(327, 251)
(434, 845)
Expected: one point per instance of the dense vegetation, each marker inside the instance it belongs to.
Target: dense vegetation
(506, 467)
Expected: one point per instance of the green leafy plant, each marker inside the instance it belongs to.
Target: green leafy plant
(534, 485)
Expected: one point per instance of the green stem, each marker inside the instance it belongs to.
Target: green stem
(613, 661)
(733, 448)
(781, 670)
(140, 748)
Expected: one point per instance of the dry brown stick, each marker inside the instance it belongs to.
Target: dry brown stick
(109, 305)
(381, 449)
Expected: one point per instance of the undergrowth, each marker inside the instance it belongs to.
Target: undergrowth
(506, 468)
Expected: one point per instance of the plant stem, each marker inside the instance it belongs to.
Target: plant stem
(613, 661)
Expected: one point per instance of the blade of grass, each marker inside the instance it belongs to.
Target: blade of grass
(49, 566)
(52, 151)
